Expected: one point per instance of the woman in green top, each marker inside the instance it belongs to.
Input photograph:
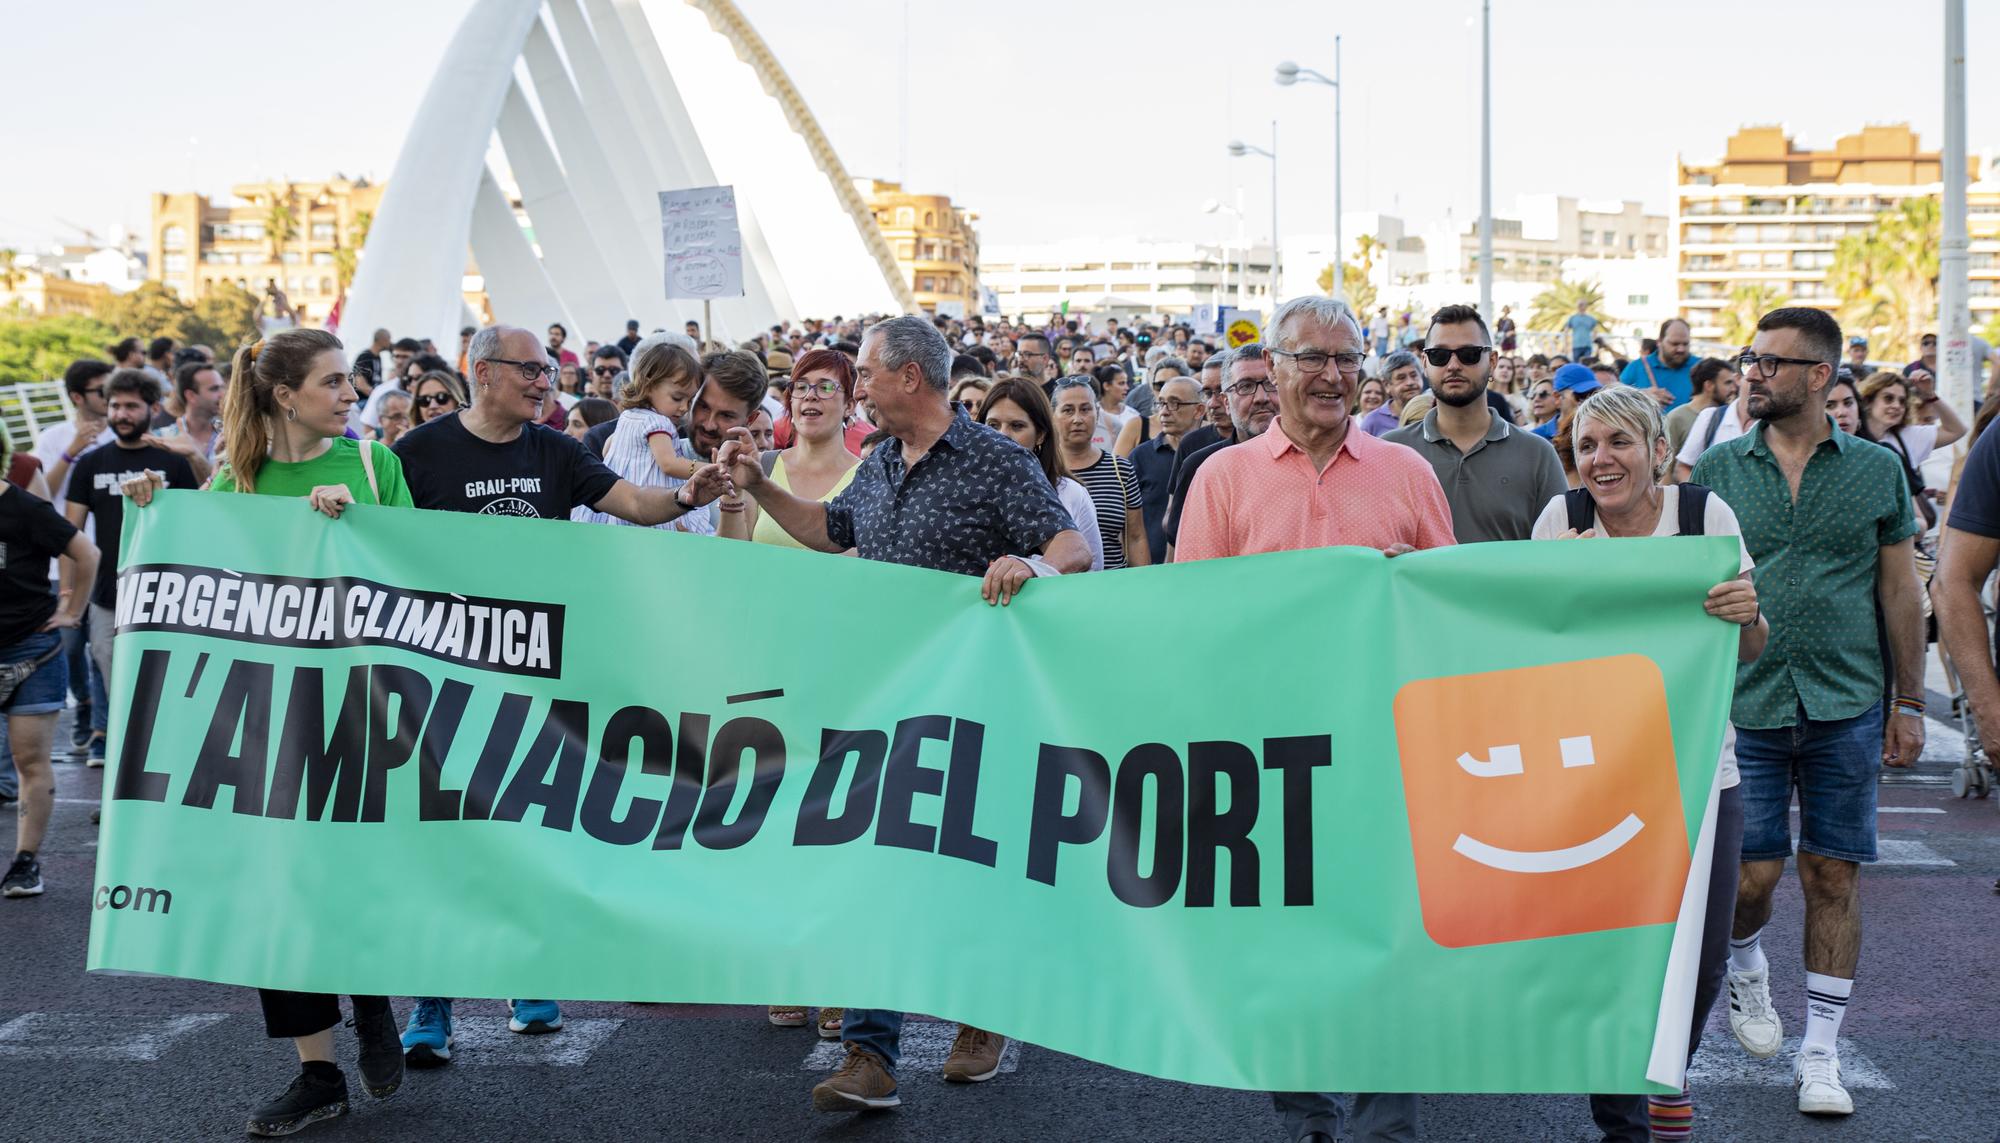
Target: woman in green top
(285, 423)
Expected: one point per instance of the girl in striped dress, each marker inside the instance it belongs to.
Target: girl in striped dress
(664, 378)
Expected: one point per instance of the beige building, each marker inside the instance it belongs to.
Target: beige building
(1770, 213)
(46, 294)
(934, 242)
(296, 234)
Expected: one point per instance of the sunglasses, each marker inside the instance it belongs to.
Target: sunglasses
(606, 370)
(436, 400)
(1466, 354)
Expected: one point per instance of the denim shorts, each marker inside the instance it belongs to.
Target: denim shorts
(45, 691)
(1834, 766)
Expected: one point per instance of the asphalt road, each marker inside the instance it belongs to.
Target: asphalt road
(86, 1057)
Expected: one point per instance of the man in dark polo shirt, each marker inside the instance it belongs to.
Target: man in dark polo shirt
(1253, 402)
(1497, 477)
(944, 493)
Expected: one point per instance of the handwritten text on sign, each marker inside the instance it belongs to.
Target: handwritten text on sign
(703, 245)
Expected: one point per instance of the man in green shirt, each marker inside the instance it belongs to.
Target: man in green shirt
(1827, 518)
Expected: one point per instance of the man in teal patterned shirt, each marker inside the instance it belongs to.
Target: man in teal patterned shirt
(1827, 517)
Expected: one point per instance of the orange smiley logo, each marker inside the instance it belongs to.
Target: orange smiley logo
(1543, 801)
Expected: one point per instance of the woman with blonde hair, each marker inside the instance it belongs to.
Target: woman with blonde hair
(1891, 409)
(1620, 453)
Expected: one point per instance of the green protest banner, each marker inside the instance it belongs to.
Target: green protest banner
(1304, 821)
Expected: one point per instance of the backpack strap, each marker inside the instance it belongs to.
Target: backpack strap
(1582, 509)
(1714, 422)
(368, 466)
(1693, 510)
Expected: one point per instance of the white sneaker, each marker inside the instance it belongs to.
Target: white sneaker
(1817, 1076)
(1751, 1017)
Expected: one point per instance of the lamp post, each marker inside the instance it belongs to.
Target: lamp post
(1288, 75)
(1958, 379)
(1213, 206)
(1237, 149)
(1486, 160)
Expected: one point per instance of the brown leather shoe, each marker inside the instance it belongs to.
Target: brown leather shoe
(860, 1083)
(975, 1056)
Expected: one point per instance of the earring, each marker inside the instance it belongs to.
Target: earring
(291, 413)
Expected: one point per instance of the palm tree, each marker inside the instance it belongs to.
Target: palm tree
(281, 223)
(1886, 276)
(1552, 307)
(348, 257)
(1748, 302)
(10, 268)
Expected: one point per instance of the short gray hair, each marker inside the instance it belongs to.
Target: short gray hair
(1178, 364)
(1254, 351)
(910, 338)
(1218, 360)
(485, 345)
(1396, 361)
(1330, 311)
(1622, 407)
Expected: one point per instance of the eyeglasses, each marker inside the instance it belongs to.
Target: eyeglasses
(1249, 386)
(1314, 361)
(530, 370)
(605, 370)
(95, 391)
(821, 389)
(1766, 364)
(1208, 394)
(1439, 356)
(1173, 405)
(436, 400)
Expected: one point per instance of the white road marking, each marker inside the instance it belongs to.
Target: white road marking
(1897, 852)
(1908, 810)
(1721, 1063)
(485, 1041)
(96, 1036)
(925, 1045)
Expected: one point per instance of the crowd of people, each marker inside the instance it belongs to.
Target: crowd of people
(1009, 451)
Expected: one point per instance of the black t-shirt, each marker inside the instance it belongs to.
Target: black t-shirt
(32, 533)
(1199, 438)
(1975, 503)
(1499, 404)
(94, 483)
(597, 436)
(540, 474)
(1190, 463)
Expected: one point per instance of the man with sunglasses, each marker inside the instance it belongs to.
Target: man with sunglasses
(1496, 476)
(605, 367)
(88, 427)
(1828, 521)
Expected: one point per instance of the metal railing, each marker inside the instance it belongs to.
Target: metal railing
(30, 407)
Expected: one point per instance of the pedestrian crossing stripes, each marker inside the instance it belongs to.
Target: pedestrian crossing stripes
(925, 1047)
(98, 1036)
(1721, 1062)
(485, 1041)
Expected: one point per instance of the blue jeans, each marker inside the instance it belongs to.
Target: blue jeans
(1833, 765)
(1379, 1117)
(877, 1029)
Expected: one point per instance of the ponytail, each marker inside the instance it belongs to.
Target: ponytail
(282, 360)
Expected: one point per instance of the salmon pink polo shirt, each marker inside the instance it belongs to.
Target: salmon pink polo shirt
(1265, 496)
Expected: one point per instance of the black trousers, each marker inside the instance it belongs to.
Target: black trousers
(289, 1015)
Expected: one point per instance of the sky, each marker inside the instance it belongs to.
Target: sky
(1052, 119)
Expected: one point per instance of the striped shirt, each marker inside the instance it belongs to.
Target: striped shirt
(1114, 488)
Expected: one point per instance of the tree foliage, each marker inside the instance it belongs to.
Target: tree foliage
(1552, 307)
(34, 348)
(1886, 276)
(221, 319)
(1748, 303)
(1357, 277)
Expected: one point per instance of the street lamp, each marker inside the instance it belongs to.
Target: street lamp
(1288, 75)
(1237, 149)
(1214, 206)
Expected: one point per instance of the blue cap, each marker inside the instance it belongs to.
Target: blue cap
(1578, 379)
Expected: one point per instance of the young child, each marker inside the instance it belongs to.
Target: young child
(665, 376)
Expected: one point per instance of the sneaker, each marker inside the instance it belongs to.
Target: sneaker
(427, 1041)
(975, 1056)
(830, 1021)
(24, 877)
(535, 1017)
(310, 1099)
(1751, 1016)
(96, 760)
(381, 1052)
(861, 1083)
(79, 735)
(1817, 1076)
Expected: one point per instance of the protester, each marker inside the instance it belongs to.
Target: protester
(394, 414)
(1312, 481)
(641, 449)
(1402, 377)
(1373, 396)
(1253, 402)
(588, 414)
(197, 432)
(1829, 522)
(1892, 416)
(1621, 453)
(1666, 372)
(1715, 425)
(1108, 477)
(1582, 328)
(62, 443)
(24, 472)
(1714, 381)
(1153, 460)
(969, 393)
(1030, 423)
(1145, 402)
(1843, 404)
(1215, 426)
(1496, 476)
(817, 467)
(33, 613)
(558, 334)
(435, 394)
(286, 416)
(1544, 408)
(93, 495)
(942, 493)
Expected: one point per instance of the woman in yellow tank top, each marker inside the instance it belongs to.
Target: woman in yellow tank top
(818, 466)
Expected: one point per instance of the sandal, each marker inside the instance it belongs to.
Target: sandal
(829, 1023)
(787, 1016)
